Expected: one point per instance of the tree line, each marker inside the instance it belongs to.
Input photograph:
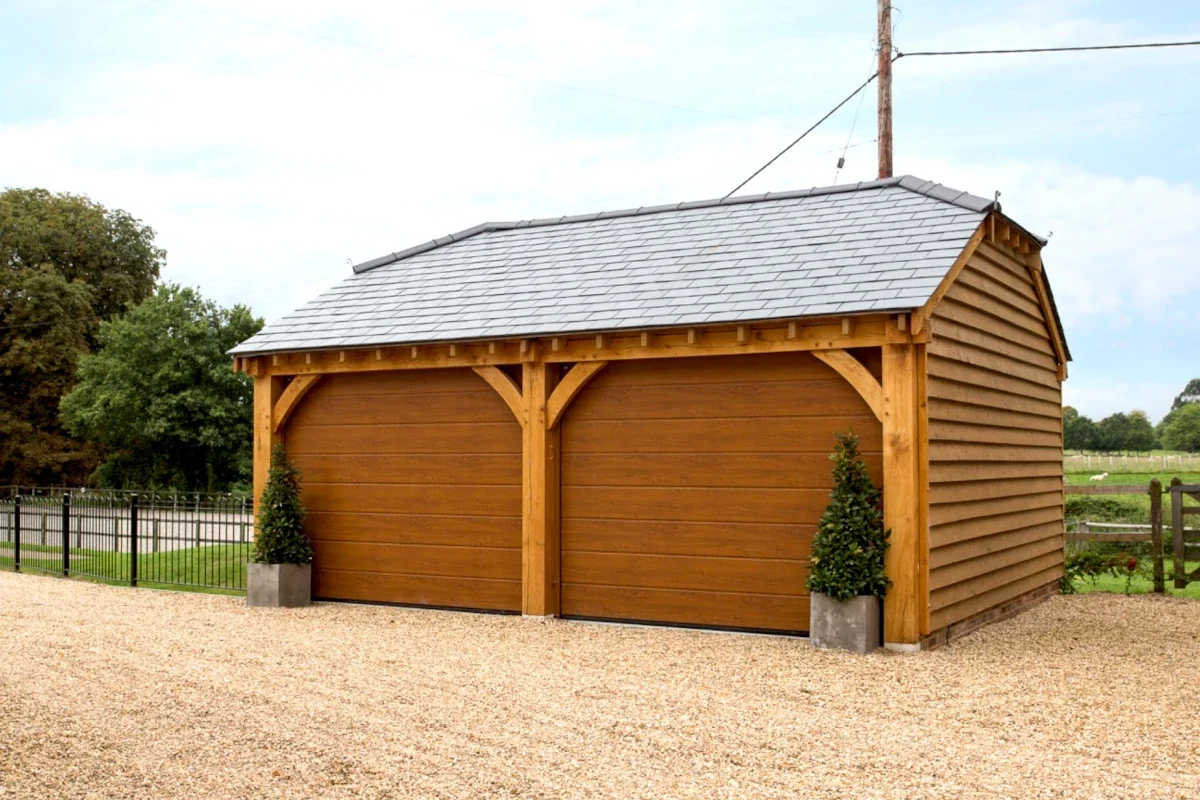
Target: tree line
(108, 376)
(1133, 431)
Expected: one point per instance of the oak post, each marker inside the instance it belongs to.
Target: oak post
(1177, 552)
(267, 390)
(540, 495)
(901, 490)
(1156, 536)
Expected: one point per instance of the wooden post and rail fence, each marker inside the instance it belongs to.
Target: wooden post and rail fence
(1176, 491)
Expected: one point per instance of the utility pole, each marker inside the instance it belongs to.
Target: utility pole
(885, 88)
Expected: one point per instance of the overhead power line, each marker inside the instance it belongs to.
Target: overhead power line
(815, 125)
(899, 55)
(1014, 51)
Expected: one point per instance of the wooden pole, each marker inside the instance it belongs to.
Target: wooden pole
(885, 88)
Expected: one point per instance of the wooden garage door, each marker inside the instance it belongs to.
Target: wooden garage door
(692, 487)
(412, 482)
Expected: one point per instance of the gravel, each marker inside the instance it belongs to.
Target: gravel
(115, 692)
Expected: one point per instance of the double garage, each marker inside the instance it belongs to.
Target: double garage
(690, 488)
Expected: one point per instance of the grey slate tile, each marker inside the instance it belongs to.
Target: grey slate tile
(878, 245)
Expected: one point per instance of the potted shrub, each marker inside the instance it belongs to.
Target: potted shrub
(281, 574)
(846, 578)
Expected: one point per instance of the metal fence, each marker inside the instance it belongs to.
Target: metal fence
(200, 541)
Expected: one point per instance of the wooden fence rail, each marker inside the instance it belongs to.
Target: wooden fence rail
(1153, 532)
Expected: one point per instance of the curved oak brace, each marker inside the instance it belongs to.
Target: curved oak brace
(568, 387)
(291, 398)
(857, 375)
(509, 392)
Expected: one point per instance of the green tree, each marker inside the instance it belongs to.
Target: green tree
(280, 536)
(847, 552)
(1111, 432)
(161, 397)
(1079, 432)
(65, 264)
(1189, 396)
(1139, 435)
(1183, 432)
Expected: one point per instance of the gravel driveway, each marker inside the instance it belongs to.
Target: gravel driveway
(115, 692)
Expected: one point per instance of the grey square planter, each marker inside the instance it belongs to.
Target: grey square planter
(854, 624)
(278, 585)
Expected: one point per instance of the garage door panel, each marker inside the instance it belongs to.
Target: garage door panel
(434, 529)
(692, 488)
(407, 468)
(696, 573)
(443, 498)
(719, 435)
(435, 560)
(416, 437)
(752, 470)
(394, 409)
(412, 481)
(699, 504)
(421, 590)
(763, 399)
(688, 538)
(729, 610)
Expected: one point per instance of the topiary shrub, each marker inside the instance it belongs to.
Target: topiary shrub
(280, 538)
(847, 552)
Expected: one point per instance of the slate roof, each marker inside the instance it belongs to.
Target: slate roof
(868, 247)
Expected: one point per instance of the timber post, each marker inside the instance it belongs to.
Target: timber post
(267, 389)
(1180, 571)
(540, 544)
(1156, 537)
(902, 610)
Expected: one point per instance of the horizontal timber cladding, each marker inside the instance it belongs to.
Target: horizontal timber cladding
(691, 488)
(995, 442)
(412, 482)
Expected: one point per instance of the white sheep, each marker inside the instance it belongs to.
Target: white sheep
(1099, 477)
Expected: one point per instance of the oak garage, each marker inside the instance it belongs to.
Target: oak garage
(627, 415)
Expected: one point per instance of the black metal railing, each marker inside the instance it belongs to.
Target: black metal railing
(195, 541)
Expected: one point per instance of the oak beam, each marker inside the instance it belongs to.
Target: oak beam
(290, 399)
(508, 390)
(540, 494)
(718, 342)
(857, 376)
(568, 387)
(267, 389)
(901, 495)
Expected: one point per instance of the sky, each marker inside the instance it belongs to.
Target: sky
(272, 143)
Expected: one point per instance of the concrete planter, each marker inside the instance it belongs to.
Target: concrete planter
(854, 624)
(278, 585)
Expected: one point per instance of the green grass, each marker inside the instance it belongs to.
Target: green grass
(1141, 584)
(224, 565)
